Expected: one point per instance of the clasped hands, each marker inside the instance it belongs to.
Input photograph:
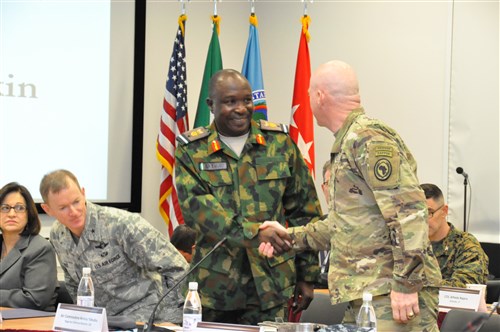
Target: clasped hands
(274, 239)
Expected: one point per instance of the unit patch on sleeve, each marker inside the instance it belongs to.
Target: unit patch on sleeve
(383, 165)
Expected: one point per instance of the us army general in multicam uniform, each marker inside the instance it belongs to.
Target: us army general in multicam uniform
(231, 176)
(377, 222)
(132, 263)
(460, 256)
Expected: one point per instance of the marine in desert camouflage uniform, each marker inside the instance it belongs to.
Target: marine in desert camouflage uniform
(377, 222)
(132, 264)
(228, 189)
(460, 256)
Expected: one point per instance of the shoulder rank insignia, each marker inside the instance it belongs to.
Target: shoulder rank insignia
(266, 125)
(193, 135)
(260, 139)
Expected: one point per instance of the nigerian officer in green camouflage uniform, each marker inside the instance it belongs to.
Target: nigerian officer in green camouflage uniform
(231, 177)
(460, 256)
(377, 223)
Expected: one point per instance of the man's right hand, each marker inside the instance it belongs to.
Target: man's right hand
(274, 239)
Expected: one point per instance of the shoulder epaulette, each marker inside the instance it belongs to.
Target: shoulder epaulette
(266, 125)
(193, 135)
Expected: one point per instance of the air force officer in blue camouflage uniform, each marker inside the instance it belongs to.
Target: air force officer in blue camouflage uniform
(132, 263)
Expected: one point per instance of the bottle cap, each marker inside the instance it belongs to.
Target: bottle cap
(193, 285)
(367, 296)
(86, 270)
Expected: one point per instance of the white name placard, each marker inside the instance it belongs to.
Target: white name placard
(458, 298)
(70, 317)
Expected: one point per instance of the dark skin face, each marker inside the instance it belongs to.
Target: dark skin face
(231, 103)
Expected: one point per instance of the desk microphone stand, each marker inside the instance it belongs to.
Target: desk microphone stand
(465, 203)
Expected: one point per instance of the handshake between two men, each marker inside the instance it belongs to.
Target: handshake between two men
(274, 239)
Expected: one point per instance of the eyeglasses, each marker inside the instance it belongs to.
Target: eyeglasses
(18, 208)
(432, 213)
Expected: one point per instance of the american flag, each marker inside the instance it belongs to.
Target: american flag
(174, 121)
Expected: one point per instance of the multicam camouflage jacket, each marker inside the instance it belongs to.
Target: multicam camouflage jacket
(222, 194)
(377, 223)
(132, 264)
(461, 259)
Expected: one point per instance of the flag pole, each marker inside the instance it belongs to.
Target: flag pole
(215, 7)
(305, 5)
(183, 6)
(252, 7)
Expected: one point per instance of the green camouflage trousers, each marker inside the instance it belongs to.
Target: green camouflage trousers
(426, 321)
(252, 315)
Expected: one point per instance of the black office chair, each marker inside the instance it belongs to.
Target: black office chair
(322, 311)
(492, 290)
(457, 320)
(63, 294)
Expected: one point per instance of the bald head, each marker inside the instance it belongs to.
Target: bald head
(334, 93)
(338, 79)
(222, 76)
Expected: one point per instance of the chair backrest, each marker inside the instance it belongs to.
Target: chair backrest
(322, 311)
(492, 250)
(457, 320)
(492, 290)
(63, 294)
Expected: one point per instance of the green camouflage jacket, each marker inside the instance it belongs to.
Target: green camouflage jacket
(222, 194)
(377, 223)
(461, 259)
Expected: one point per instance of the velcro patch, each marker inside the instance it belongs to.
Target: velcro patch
(383, 165)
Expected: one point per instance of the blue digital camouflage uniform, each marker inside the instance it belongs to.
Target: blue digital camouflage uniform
(222, 194)
(377, 224)
(461, 259)
(132, 263)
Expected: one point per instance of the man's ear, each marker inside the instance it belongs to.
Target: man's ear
(445, 210)
(210, 103)
(46, 208)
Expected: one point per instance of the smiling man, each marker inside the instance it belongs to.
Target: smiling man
(231, 177)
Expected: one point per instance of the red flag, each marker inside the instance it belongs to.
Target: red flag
(174, 121)
(301, 123)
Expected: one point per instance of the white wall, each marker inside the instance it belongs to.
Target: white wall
(419, 64)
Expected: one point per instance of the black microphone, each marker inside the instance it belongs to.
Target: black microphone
(478, 322)
(150, 324)
(460, 170)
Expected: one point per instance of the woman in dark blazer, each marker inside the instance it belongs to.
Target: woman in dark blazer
(28, 272)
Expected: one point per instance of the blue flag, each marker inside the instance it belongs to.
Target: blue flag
(252, 70)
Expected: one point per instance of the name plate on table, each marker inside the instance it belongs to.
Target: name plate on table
(458, 298)
(70, 317)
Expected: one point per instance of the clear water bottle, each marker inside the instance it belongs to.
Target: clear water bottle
(85, 293)
(366, 316)
(191, 314)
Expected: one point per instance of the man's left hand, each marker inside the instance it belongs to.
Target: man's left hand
(404, 306)
(303, 295)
